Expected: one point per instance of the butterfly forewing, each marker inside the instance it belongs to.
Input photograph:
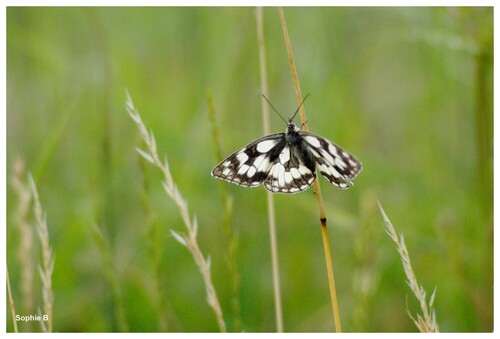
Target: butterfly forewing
(251, 165)
(334, 163)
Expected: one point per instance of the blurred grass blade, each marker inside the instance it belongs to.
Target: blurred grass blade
(271, 215)
(190, 240)
(427, 322)
(111, 276)
(47, 265)
(227, 219)
(26, 233)
(11, 303)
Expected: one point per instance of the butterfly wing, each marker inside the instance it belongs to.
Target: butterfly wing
(251, 165)
(289, 174)
(288, 166)
(334, 163)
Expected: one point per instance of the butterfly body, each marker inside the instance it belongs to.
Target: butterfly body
(287, 162)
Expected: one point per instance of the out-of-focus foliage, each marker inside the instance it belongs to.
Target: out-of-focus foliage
(407, 90)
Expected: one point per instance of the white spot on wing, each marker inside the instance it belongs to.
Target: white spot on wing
(242, 157)
(327, 156)
(251, 171)
(340, 162)
(332, 149)
(259, 160)
(313, 141)
(288, 177)
(329, 170)
(303, 170)
(285, 155)
(295, 173)
(280, 171)
(266, 145)
(243, 169)
(264, 165)
(313, 151)
(226, 171)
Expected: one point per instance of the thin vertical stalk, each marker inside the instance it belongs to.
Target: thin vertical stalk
(11, 303)
(107, 210)
(481, 116)
(316, 186)
(231, 236)
(112, 278)
(270, 198)
(47, 266)
(25, 231)
(158, 297)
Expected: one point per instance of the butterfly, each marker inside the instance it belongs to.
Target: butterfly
(287, 162)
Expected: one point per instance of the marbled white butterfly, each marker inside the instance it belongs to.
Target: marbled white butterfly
(287, 162)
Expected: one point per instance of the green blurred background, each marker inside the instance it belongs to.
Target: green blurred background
(407, 90)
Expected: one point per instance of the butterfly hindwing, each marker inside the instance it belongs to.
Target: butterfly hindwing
(334, 163)
(289, 174)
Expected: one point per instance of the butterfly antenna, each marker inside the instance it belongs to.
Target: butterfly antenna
(297, 111)
(286, 122)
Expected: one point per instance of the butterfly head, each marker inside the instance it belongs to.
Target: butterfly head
(291, 127)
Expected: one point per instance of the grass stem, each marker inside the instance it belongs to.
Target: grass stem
(25, 230)
(316, 185)
(270, 197)
(427, 321)
(11, 303)
(231, 236)
(112, 278)
(188, 240)
(47, 266)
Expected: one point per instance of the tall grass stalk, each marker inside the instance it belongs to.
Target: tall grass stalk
(11, 303)
(270, 198)
(316, 185)
(366, 276)
(112, 278)
(25, 231)
(231, 236)
(188, 240)
(427, 321)
(47, 266)
(104, 70)
(158, 297)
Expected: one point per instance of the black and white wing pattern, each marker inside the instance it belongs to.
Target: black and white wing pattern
(267, 160)
(335, 164)
(287, 162)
